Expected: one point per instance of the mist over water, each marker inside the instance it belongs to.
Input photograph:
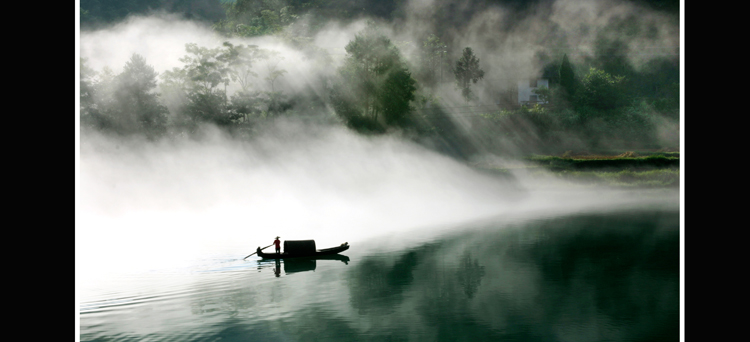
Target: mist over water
(165, 205)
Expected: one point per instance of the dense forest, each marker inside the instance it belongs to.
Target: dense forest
(431, 89)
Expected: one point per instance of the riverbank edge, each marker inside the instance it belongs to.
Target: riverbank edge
(616, 169)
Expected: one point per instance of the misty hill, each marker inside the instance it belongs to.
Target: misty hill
(451, 13)
(96, 13)
(445, 73)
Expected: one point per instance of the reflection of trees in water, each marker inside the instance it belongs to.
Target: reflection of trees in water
(470, 274)
(444, 302)
(610, 276)
(423, 291)
(248, 293)
(448, 289)
(378, 285)
(312, 324)
(619, 259)
(241, 294)
(604, 277)
(240, 298)
(615, 272)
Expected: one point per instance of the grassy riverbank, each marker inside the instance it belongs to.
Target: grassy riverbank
(620, 169)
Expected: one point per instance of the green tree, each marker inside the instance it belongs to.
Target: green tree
(136, 94)
(205, 69)
(467, 71)
(544, 93)
(375, 87)
(601, 91)
(246, 104)
(273, 58)
(567, 79)
(276, 99)
(432, 54)
(88, 110)
(248, 18)
(126, 103)
(240, 60)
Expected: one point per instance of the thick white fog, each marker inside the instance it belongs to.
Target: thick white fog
(145, 206)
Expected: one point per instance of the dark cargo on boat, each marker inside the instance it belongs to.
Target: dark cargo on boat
(302, 248)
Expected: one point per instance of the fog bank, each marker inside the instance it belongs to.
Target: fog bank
(159, 205)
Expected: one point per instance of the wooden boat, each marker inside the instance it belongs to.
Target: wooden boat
(302, 249)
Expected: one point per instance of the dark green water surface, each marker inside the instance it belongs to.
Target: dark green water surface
(588, 277)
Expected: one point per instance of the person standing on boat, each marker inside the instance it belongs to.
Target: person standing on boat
(277, 243)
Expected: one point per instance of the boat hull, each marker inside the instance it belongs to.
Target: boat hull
(318, 253)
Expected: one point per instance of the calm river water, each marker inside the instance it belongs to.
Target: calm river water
(586, 277)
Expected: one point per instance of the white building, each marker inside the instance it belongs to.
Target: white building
(526, 89)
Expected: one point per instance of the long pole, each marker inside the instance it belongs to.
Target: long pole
(257, 251)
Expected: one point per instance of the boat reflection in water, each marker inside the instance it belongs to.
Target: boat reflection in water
(296, 265)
